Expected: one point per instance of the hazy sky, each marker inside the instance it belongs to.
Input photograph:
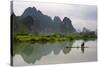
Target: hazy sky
(81, 15)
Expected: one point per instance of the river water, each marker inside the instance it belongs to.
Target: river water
(54, 53)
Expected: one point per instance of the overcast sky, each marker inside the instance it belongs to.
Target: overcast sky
(81, 15)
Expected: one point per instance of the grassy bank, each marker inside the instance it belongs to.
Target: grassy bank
(55, 37)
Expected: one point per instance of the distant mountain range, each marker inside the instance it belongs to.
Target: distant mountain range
(34, 21)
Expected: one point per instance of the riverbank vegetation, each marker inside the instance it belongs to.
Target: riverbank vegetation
(55, 37)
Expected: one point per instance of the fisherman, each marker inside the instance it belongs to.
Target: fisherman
(82, 45)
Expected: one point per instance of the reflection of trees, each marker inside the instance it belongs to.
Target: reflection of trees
(33, 52)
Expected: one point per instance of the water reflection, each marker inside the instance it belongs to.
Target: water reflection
(67, 50)
(82, 47)
(32, 52)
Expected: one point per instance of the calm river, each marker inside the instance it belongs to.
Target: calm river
(54, 53)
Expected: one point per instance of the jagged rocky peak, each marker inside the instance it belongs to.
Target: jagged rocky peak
(34, 8)
(57, 19)
(39, 12)
(68, 23)
(29, 11)
(35, 21)
(31, 8)
(66, 20)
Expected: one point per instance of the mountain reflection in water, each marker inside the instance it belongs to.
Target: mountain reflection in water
(33, 52)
